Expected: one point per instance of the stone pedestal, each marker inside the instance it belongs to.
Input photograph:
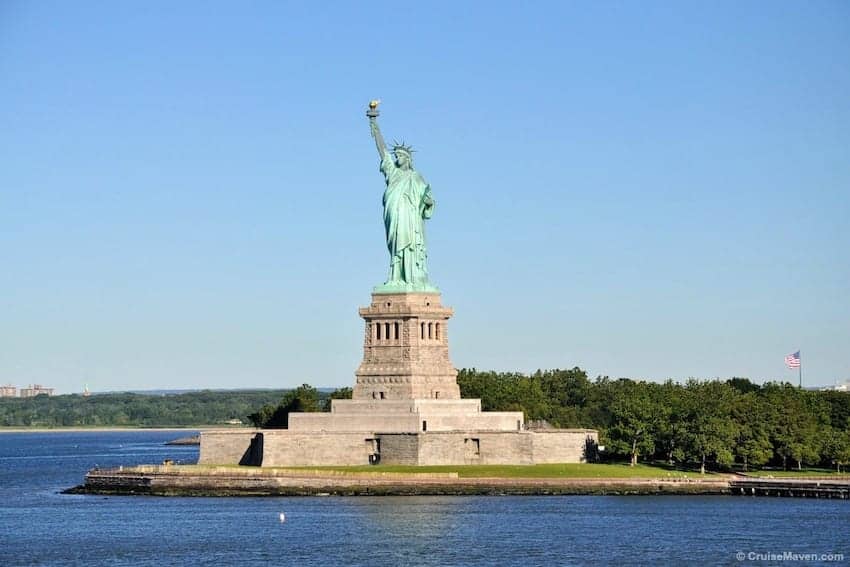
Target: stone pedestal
(406, 349)
(406, 408)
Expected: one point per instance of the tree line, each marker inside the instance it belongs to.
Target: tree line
(135, 410)
(709, 424)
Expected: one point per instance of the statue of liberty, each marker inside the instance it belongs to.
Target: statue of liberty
(407, 204)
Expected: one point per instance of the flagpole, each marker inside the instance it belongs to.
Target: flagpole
(800, 370)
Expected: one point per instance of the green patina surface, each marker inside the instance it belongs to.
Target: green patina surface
(407, 203)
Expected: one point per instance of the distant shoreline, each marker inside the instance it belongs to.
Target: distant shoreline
(103, 429)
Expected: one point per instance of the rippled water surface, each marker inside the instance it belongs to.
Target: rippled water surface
(39, 526)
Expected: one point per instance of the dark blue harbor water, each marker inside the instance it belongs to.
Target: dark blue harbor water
(39, 526)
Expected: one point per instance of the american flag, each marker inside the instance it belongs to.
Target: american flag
(793, 360)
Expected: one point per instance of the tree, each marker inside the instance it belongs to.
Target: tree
(633, 417)
(598, 412)
(752, 443)
(795, 434)
(743, 385)
(836, 447)
(338, 394)
(711, 431)
(505, 392)
(839, 408)
(567, 393)
(304, 398)
(528, 397)
(262, 416)
(671, 426)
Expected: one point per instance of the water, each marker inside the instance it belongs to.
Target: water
(39, 526)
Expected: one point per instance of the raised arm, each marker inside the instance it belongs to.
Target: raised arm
(372, 113)
(379, 139)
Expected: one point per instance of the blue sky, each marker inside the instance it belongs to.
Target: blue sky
(189, 195)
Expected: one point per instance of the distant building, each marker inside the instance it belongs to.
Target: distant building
(8, 391)
(845, 387)
(35, 390)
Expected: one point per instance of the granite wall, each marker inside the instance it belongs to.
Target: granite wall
(295, 449)
(231, 447)
(280, 448)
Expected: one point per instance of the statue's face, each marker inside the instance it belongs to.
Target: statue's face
(402, 160)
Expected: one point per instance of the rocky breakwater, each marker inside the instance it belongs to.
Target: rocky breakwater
(194, 480)
(191, 440)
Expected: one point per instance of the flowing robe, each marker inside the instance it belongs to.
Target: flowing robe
(407, 203)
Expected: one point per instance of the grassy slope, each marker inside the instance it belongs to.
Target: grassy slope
(799, 474)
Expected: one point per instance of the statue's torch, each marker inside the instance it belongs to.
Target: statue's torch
(372, 113)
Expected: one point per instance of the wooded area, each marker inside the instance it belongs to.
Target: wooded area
(711, 424)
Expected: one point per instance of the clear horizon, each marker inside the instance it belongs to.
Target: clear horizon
(190, 197)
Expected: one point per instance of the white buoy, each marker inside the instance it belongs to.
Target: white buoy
(282, 517)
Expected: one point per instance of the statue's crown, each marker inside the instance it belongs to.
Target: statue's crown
(402, 147)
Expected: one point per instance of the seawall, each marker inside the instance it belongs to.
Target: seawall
(176, 480)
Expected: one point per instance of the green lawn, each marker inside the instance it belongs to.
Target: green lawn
(798, 474)
(591, 470)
